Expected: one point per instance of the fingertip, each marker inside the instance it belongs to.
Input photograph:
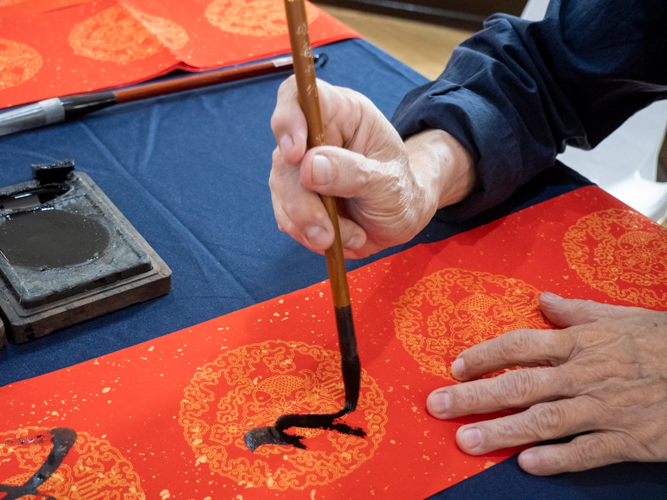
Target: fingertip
(458, 369)
(357, 241)
(321, 170)
(550, 298)
(286, 144)
(353, 237)
(292, 147)
(557, 309)
(438, 403)
(469, 439)
(318, 238)
(529, 461)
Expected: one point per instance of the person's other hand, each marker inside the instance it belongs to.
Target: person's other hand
(605, 377)
(389, 189)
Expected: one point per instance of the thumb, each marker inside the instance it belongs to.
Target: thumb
(570, 312)
(334, 171)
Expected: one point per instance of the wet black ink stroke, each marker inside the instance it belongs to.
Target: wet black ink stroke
(63, 439)
(351, 367)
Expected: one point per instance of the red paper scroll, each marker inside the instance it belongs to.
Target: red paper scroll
(52, 48)
(166, 419)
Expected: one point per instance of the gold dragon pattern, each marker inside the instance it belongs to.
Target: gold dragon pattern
(621, 253)
(252, 386)
(453, 309)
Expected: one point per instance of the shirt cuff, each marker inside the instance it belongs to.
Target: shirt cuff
(479, 127)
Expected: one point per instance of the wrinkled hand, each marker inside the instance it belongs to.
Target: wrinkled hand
(606, 375)
(391, 188)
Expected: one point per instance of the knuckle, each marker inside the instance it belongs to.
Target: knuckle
(363, 177)
(587, 306)
(477, 355)
(606, 448)
(595, 310)
(593, 450)
(276, 121)
(276, 184)
(291, 210)
(384, 182)
(469, 396)
(284, 224)
(287, 86)
(546, 421)
(274, 187)
(276, 155)
(515, 342)
(300, 218)
(518, 387)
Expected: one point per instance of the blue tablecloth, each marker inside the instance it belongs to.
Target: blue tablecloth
(190, 172)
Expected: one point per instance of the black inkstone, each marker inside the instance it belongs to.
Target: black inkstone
(66, 245)
(67, 254)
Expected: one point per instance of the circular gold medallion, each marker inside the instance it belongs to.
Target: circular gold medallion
(454, 309)
(99, 470)
(18, 63)
(252, 386)
(621, 253)
(260, 18)
(122, 35)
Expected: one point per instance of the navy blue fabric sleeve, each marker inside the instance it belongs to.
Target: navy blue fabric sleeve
(516, 93)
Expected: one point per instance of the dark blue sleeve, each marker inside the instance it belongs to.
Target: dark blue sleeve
(516, 93)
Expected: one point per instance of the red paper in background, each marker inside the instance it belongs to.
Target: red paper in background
(166, 419)
(52, 48)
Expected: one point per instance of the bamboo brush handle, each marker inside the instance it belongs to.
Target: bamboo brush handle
(304, 70)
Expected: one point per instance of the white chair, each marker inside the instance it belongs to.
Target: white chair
(625, 164)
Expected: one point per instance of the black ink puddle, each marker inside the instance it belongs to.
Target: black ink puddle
(51, 238)
(351, 368)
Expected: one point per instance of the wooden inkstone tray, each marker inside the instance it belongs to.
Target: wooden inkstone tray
(67, 254)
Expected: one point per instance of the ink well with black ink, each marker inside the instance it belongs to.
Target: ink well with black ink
(67, 254)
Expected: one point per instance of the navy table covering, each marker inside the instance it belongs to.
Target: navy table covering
(190, 172)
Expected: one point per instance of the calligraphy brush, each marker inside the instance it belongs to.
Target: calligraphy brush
(304, 70)
(59, 109)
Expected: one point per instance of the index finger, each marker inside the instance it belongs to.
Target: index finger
(289, 123)
(515, 348)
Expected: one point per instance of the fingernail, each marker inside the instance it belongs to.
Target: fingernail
(529, 461)
(316, 236)
(357, 241)
(471, 437)
(457, 368)
(286, 144)
(550, 297)
(440, 402)
(321, 170)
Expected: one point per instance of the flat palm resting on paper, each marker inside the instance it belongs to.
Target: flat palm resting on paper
(184, 401)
